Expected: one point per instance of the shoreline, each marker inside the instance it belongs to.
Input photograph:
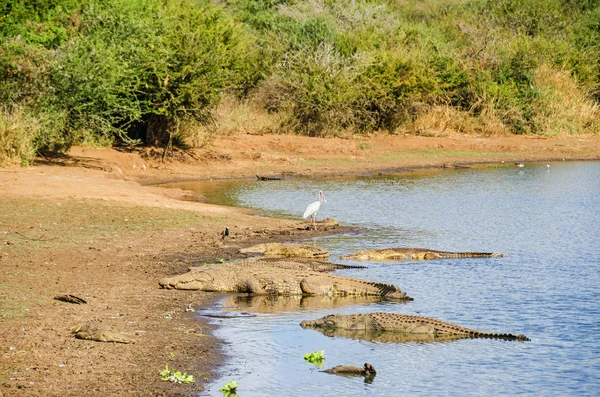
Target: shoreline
(383, 171)
(91, 225)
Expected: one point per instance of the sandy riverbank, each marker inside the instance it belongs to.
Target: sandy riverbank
(86, 225)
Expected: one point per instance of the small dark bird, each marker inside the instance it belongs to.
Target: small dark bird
(225, 233)
(520, 165)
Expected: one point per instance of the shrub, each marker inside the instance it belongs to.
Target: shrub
(317, 89)
(17, 134)
(155, 71)
(40, 22)
(143, 66)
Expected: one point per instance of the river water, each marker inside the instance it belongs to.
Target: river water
(546, 219)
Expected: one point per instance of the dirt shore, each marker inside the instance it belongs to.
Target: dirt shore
(87, 224)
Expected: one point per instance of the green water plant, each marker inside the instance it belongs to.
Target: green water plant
(315, 358)
(229, 389)
(169, 375)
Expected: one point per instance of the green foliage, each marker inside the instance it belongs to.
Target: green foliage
(131, 71)
(317, 88)
(529, 17)
(22, 71)
(229, 389)
(48, 23)
(315, 358)
(513, 89)
(145, 66)
(168, 375)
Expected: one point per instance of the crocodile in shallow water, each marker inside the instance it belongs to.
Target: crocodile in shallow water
(415, 254)
(377, 323)
(282, 250)
(284, 277)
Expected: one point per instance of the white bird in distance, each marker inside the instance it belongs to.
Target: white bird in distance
(312, 209)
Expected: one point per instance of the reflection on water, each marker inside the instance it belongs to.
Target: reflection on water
(387, 337)
(214, 191)
(548, 287)
(274, 304)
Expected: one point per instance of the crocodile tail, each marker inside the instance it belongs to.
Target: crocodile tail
(470, 255)
(339, 266)
(519, 337)
(390, 291)
(485, 255)
(480, 254)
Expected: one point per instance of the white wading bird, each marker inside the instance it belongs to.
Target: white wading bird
(312, 209)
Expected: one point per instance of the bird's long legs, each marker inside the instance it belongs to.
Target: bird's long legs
(313, 222)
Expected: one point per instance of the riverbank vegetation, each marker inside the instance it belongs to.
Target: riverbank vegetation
(106, 72)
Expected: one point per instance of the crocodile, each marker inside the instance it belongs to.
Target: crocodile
(284, 277)
(95, 333)
(281, 250)
(415, 254)
(374, 323)
(314, 264)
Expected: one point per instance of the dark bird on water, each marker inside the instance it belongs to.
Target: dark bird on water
(225, 233)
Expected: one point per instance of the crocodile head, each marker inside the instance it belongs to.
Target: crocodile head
(333, 321)
(194, 280)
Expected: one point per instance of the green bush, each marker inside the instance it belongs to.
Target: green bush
(143, 66)
(317, 88)
(132, 71)
(48, 23)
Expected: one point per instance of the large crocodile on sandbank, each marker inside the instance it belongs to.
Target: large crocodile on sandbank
(389, 254)
(285, 277)
(367, 324)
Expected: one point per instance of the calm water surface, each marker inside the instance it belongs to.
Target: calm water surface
(547, 220)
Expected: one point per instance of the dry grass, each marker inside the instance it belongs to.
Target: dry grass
(444, 121)
(563, 107)
(232, 116)
(17, 133)
(248, 116)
